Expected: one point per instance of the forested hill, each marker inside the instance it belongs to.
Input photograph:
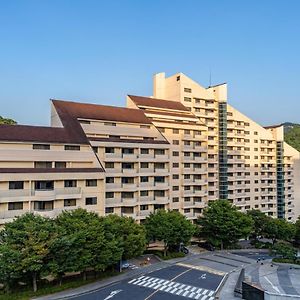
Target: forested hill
(7, 121)
(292, 134)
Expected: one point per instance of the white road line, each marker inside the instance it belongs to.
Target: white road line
(185, 293)
(273, 286)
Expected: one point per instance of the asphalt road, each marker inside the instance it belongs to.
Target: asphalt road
(254, 254)
(174, 282)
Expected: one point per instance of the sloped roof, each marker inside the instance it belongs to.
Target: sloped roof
(25, 133)
(159, 103)
(67, 109)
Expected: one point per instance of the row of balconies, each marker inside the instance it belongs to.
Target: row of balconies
(31, 195)
(135, 170)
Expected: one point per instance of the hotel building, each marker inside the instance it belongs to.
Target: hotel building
(178, 149)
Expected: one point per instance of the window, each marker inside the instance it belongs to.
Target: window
(144, 151)
(187, 90)
(159, 193)
(144, 207)
(95, 149)
(144, 193)
(159, 179)
(175, 199)
(72, 147)
(15, 206)
(175, 165)
(70, 183)
(127, 195)
(175, 142)
(175, 176)
(41, 146)
(144, 165)
(44, 185)
(110, 124)
(145, 126)
(177, 78)
(91, 201)
(159, 151)
(60, 164)
(187, 99)
(16, 185)
(144, 178)
(175, 131)
(175, 153)
(43, 164)
(128, 180)
(70, 202)
(109, 195)
(127, 151)
(127, 165)
(109, 165)
(159, 165)
(175, 188)
(109, 210)
(109, 150)
(186, 131)
(43, 205)
(91, 182)
(110, 180)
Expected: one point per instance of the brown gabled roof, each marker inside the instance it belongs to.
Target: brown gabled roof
(273, 126)
(159, 103)
(24, 133)
(67, 110)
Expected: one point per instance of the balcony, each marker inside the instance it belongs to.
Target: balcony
(146, 170)
(113, 186)
(129, 156)
(129, 201)
(131, 215)
(158, 170)
(113, 202)
(129, 171)
(161, 199)
(129, 186)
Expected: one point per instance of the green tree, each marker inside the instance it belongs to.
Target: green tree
(297, 231)
(292, 135)
(284, 250)
(279, 229)
(260, 221)
(25, 244)
(7, 121)
(83, 233)
(130, 235)
(223, 225)
(171, 227)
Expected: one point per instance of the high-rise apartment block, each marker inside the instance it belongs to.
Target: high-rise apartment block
(178, 150)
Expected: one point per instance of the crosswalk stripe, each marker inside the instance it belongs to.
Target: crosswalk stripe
(173, 287)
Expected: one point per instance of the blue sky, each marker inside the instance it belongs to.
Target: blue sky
(99, 51)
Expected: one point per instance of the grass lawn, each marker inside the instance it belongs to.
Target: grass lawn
(46, 289)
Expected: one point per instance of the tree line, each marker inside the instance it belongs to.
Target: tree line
(33, 247)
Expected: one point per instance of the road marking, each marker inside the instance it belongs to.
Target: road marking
(112, 294)
(173, 287)
(273, 286)
(202, 268)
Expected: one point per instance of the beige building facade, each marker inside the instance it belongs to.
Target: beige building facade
(178, 149)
